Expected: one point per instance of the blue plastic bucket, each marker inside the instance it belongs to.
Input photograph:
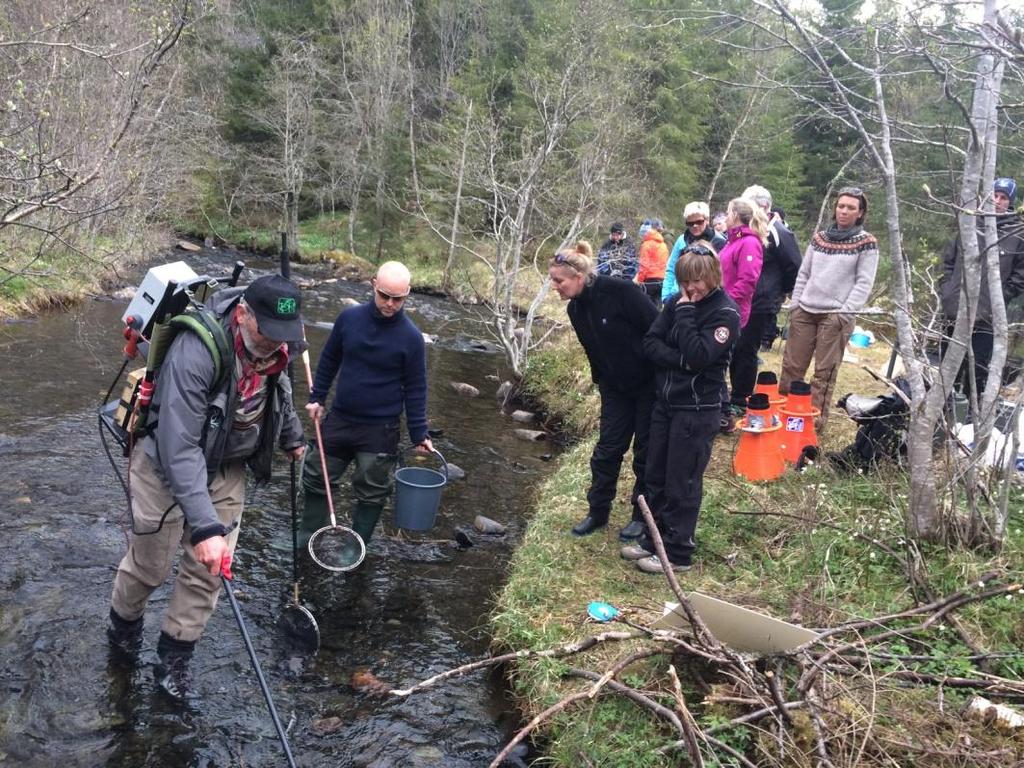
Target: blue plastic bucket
(418, 494)
(861, 340)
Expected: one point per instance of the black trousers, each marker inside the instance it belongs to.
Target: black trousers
(653, 290)
(625, 417)
(743, 366)
(982, 341)
(679, 453)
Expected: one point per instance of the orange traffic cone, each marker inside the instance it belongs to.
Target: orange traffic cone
(798, 418)
(768, 384)
(758, 456)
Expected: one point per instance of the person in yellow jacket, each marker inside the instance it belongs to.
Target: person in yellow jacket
(653, 257)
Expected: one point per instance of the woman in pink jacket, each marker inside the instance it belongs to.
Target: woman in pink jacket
(741, 267)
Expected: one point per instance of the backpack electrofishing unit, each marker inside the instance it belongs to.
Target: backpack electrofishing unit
(171, 298)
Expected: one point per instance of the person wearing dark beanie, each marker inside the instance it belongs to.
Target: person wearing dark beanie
(1010, 233)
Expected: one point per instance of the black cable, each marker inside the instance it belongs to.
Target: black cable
(128, 446)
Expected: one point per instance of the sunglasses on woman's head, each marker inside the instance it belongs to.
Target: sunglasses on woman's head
(700, 250)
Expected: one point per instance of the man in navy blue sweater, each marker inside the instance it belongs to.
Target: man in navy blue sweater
(378, 358)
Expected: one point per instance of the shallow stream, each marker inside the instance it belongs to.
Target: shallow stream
(416, 606)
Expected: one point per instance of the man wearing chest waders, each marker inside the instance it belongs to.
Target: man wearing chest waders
(377, 358)
(187, 475)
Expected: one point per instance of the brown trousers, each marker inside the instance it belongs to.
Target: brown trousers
(150, 556)
(821, 336)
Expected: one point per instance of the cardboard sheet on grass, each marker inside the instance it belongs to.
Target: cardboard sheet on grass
(741, 629)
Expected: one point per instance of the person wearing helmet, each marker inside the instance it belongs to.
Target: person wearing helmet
(1010, 230)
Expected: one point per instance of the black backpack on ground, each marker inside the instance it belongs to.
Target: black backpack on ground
(882, 429)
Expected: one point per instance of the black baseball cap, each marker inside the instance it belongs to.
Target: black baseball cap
(276, 302)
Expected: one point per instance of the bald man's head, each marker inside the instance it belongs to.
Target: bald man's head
(390, 287)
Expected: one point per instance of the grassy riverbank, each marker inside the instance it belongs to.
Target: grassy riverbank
(40, 275)
(799, 549)
(326, 239)
(61, 277)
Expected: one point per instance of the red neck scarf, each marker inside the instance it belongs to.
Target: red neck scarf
(253, 371)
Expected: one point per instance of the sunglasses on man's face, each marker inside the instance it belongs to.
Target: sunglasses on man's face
(697, 223)
(389, 297)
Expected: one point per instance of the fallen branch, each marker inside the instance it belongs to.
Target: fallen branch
(689, 724)
(551, 653)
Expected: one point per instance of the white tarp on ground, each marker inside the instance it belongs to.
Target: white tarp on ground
(1000, 445)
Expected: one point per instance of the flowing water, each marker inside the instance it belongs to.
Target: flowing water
(415, 607)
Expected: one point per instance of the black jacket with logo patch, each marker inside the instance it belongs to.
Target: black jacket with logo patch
(690, 345)
(610, 318)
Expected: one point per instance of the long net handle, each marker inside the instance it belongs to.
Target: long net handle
(225, 578)
(319, 441)
(295, 535)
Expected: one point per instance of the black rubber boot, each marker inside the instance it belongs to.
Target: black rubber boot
(172, 673)
(315, 515)
(364, 519)
(125, 636)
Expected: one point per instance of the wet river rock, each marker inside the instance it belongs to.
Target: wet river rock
(530, 435)
(465, 389)
(486, 525)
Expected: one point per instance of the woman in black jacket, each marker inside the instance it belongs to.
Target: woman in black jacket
(690, 344)
(610, 317)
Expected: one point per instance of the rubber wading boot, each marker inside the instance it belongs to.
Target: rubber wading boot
(364, 519)
(172, 673)
(125, 636)
(315, 515)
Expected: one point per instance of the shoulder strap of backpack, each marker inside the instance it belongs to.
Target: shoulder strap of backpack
(207, 327)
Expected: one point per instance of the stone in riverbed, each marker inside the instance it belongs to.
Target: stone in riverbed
(486, 525)
(530, 435)
(327, 725)
(464, 389)
(524, 417)
(185, 245)
(455, 472)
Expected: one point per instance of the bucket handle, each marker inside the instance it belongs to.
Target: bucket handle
(444, 464)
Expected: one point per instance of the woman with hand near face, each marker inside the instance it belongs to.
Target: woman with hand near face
(689, 345)
(835, 280)
(610, 317)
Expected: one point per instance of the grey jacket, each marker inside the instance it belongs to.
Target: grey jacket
(1010, 230)
(194, 424)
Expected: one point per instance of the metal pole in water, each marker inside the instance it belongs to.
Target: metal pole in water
(225, 577)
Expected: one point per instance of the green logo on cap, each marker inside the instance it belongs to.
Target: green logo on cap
(286, 306)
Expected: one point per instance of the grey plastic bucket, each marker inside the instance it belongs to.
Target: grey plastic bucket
(418, 494)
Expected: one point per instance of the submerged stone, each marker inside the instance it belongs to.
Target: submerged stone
(530, 435)
(464, 389)
(486, 525)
